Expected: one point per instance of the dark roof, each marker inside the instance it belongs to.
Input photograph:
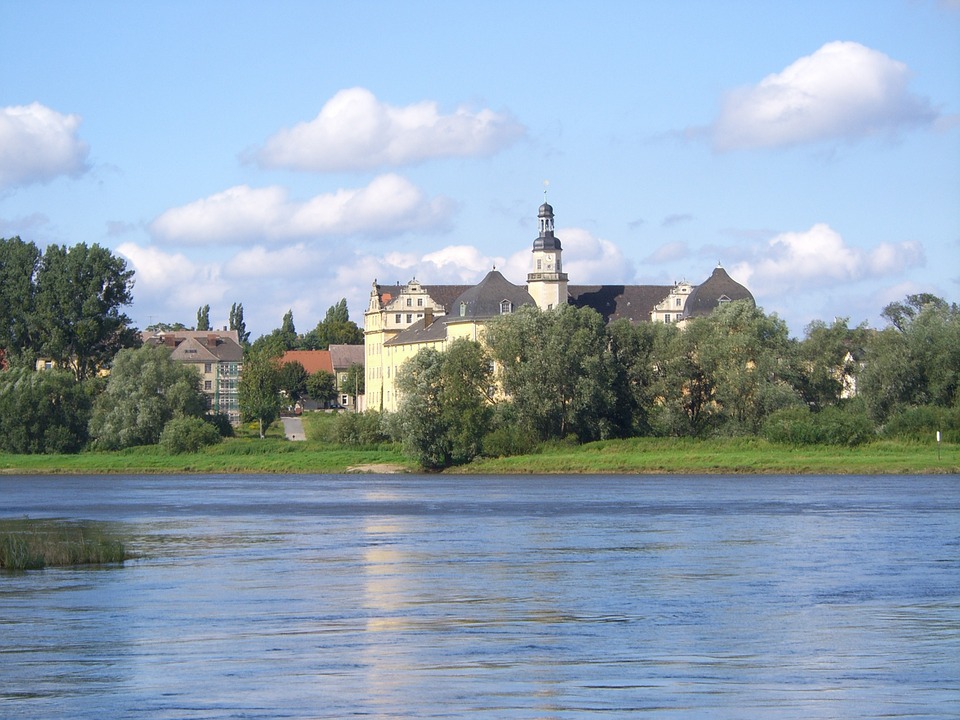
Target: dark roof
(421, 333)
(343, 356)
(445, 294)
(718, 288)
(613, 302)
(484, 299)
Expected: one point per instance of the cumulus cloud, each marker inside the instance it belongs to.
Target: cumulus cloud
(818, 258)
(589, 260)
(388, 206)
(842, 91)
(260, 262)
(38, 144)
(171, 284)
(356, 131)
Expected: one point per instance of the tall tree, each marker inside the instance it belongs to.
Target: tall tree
(80, 291)
(293, 380)
(237, 323)
(825, 361)
(260, 399)
(322, 386)
(145, 390)
(635, 352)
(914, 362)
(203, 318)
(43, 412)
(336, 328)
(446, 405)
(556, 368)
(19, 262)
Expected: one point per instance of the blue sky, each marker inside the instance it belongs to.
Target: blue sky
(284, 155)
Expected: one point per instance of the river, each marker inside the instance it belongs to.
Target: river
(409, 596)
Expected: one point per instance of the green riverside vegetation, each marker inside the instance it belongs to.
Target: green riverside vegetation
(27, 544)
(275, 455)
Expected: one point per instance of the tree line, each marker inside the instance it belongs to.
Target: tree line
(564, 375)
(65, 305)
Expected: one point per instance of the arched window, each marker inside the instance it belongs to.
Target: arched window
(506, 307)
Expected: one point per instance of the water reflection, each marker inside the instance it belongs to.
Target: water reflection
(493, 597)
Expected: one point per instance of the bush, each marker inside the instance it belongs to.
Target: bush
(509, 440)
(922, 423)
(189, 434)
(830, 426)
(221, 422)
(358, 429)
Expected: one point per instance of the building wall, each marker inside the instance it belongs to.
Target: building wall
(671, 308)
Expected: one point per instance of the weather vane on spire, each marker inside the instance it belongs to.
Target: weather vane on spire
(546, 183)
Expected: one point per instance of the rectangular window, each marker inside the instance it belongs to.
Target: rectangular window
(397, 318)
(666, 317)
(409, 302)
(409, 317)
(677, 302)
(207, 385)
(207, 367)
(419, 302)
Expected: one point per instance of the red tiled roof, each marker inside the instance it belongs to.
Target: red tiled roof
(312, 360)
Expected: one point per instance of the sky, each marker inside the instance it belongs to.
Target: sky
(284, 155)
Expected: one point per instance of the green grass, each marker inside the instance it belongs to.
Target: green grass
(728, 456)
(274, 454)
(32, 544)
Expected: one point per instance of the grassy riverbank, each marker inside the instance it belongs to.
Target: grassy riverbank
(32, 544)
(728, 456)
(639, 456)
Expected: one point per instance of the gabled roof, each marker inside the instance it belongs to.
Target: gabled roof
(312, 360)
(613, 302)
(343, 356)
(199, 345)
(443, 295)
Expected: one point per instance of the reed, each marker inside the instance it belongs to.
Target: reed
(27, 544)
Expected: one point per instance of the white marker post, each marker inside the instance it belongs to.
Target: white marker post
(938, 446)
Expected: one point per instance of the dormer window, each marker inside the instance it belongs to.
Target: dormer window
(506, 307)
(463, 309)
(723, 299)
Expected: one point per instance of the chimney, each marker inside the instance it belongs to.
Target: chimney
(211, 340)
(427, 317)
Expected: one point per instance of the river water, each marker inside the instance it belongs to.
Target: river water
(491, 597)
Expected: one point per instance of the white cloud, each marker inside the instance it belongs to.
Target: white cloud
(38, 144)
(171, 286)
(288, 262)
(842, 91)
(591, 260)
(355, 131)
(819, 257)
(388, 206)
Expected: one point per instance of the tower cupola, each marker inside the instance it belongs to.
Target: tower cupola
(546, 281)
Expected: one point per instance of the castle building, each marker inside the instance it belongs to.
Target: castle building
(401, 320)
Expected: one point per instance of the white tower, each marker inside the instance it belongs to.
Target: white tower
(546, 281)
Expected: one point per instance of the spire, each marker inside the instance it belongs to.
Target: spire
(547, 240)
